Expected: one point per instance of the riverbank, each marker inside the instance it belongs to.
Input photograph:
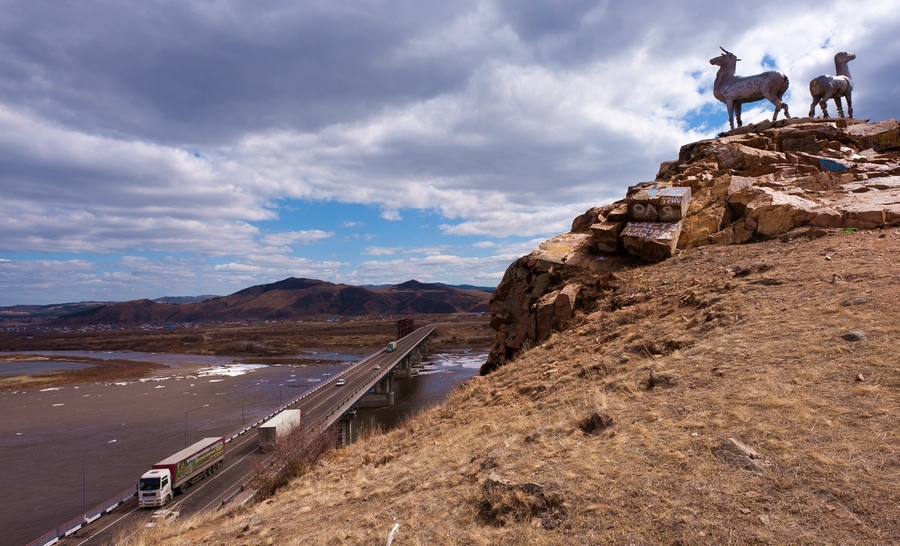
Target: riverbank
(288, 344)
(186, 398)
(258, 340)
(88, 370)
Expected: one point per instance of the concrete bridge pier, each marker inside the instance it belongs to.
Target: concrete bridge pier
(404, 367)
(346, 429)
(382, 394)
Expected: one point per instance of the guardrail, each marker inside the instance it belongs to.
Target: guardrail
(69, 527)
(66, 529)
(233, 436)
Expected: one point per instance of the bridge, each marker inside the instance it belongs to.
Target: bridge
(368, 383)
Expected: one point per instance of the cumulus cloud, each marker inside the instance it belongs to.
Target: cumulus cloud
(431, 269)
(187, 133)
(381, 251)
(304, 237)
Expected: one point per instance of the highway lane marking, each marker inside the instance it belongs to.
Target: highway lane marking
(232, 466)
(85, 541)
(308, 397)
(183, 498)
(216, 500)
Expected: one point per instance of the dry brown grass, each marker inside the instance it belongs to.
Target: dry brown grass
(749, 342)
(292, 456)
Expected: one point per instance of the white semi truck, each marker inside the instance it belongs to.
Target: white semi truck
(277, 426)
(175, 473)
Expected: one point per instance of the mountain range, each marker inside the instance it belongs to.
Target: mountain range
(291, 298)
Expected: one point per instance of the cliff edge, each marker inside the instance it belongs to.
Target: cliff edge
(798, 177)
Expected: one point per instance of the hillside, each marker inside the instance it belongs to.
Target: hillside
(745, 342)
(40, 312)
(291, 298)
(741, 390)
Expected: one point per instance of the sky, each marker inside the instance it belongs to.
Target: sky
(183, 147)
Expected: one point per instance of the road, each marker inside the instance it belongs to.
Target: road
(322, 406)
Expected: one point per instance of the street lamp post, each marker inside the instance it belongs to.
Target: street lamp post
(84, 476)
(185, 420)
(242, 402)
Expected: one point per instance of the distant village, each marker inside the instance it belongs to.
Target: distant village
(35, 325)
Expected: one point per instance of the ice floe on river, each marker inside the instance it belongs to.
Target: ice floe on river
(442, 362)
(230, 370)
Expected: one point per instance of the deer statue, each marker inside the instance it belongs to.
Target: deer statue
(833, 87)
(734, 91)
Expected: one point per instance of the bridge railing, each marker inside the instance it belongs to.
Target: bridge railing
(348, 401)
(76, 523)
(66, 529)
(243, 430)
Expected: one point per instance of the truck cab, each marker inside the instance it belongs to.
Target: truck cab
(155, 488)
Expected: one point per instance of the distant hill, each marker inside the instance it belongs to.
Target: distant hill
(488, 289)
(291, 298)
(45, 311)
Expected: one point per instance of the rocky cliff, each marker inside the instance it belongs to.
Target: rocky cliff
(793, 178)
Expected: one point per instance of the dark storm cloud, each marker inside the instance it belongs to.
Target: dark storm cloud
(188, 127)
(198, 72)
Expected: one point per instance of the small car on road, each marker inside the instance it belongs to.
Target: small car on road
(340, 382)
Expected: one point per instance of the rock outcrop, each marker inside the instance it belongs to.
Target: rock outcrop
(750, 184)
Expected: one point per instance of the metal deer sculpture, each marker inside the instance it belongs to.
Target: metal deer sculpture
(734, 91)
(833, 87)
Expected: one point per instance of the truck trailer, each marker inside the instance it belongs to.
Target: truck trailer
(175, 473)
(391, 346)
(279, 425)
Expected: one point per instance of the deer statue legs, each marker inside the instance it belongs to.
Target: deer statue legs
(823, 103)
(780, 105)
(734, 110)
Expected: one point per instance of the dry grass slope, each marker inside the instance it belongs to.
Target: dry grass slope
(616, 431)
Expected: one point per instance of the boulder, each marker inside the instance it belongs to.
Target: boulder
(698, 228)
(538, 293)
(881, 137)
(606, 235)
(651, 241)
(777, 212)
(554, 311)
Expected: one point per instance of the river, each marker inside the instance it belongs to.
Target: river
(55, 442)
